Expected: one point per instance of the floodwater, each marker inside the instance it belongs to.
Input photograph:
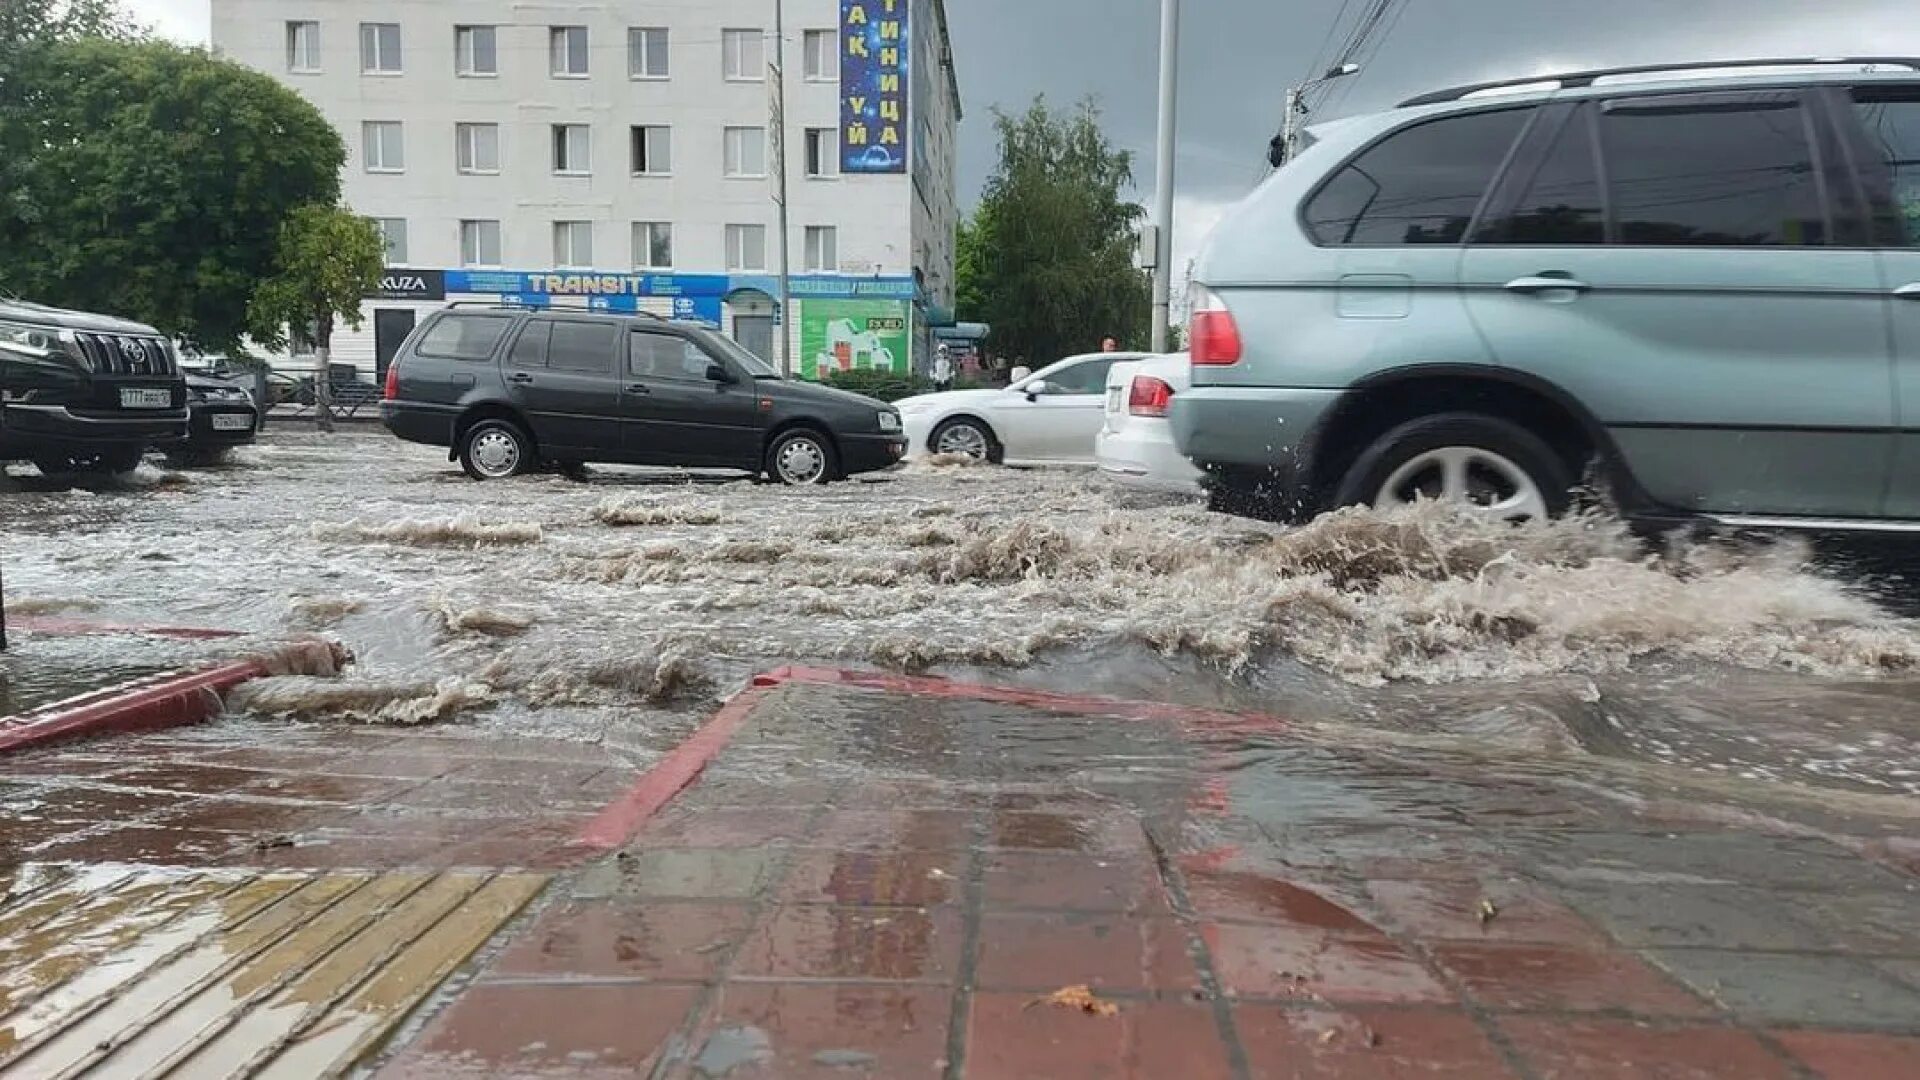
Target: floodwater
(618, 609)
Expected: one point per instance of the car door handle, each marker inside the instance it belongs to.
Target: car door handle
(1546, 282)
(1910, 291)
(639, 388)
(520, 377)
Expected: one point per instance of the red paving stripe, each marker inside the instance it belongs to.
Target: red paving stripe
(672, 774)
(34, 624)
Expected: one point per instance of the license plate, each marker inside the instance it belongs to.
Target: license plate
(1113, 399)
(138, 397)
(232, 422)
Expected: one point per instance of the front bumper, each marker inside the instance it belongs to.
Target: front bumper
(201, 429)
(28, 428)
(917, 429)
(871, 452)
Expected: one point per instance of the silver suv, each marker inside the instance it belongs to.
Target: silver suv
(1698, 288)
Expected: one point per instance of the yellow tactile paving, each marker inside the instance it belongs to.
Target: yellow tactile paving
(142, 972)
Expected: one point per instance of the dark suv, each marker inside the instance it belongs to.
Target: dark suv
(509, 390)
(84, 393)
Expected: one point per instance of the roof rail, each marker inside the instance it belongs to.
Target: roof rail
(515, 306)
(1573, 80)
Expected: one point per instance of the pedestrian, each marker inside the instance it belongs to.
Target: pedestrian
(942, 369)
(1109, 345)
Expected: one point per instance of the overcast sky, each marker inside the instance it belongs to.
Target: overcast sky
(1239, 56)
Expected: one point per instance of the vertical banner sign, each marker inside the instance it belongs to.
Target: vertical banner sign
(849, 335)
(874, 51)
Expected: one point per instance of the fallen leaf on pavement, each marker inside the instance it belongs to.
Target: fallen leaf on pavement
(1077, 997)
(1487, 910)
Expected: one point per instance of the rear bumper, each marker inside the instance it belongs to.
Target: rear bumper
(1256, 427)
(30, 429)
(1145, 458)
(415, 422)
(870, 453)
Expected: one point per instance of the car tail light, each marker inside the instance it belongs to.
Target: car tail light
(392, 390)
(1213, 336)
(1149, 396)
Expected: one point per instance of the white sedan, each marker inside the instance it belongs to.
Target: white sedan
(1049, 417)
(1136, 444)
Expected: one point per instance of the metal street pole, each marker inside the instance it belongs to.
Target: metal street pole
(1163, 181)
(780, 322)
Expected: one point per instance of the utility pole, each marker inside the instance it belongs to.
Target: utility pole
(1163, 181)
(779, 64)
(1288, 143)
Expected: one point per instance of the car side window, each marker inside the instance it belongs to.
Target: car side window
(464, 337)
(582, 346)
(1561, 204)
(1420, 185)
(530, 351)
(666, 356)
(1892, 121)
(1713, 170)
(1087, 378)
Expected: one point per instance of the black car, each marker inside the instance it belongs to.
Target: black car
(85, 393)
(221, 415)
(510, 390)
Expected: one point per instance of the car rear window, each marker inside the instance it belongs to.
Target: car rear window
(1421, 185)
(464, 337)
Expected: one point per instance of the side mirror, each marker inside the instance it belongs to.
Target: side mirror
(1036, 388)
(718, 373)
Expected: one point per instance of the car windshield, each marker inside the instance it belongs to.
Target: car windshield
(738, 353)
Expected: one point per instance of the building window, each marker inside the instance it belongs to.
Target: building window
(568, 46)
(745, 53)
(393, 234)
(479, 243)
(477, 147)
(823, 153)
(572, 149)
(380, 48)
(475, 51)
(382, 146)
(747, 247)
(573, 243)
(823, 249)
(652, 150)
(303, 46)
(652, 245)
(647, 52)
(746, 151)
(822, 55)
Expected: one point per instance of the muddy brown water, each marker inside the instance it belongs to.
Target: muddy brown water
(616, 610)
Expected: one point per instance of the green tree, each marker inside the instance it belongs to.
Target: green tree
(328, 259)
(31, 22)
(151, 181)
(1048, 258)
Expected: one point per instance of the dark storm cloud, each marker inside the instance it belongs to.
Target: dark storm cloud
(1239, 56)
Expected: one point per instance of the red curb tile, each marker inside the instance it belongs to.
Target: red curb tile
(896, 830)
(1023, 879)
(1845, 1055)
(547, 1030)
(1040, 952)
(910, 878)
(1010, 1036)
(1516, 976)
(670, 775)
(609, 939)
(1365, 1044)
(1452, 911)
(1221, 895)
(1309, 966)
(837, 1032)
(881, 944)
(1562, 1049)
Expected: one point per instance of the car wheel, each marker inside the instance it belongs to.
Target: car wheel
(1479, 461)
(964, 438)
(802, 457)
(495, 450)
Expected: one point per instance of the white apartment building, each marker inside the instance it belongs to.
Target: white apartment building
(619, 154)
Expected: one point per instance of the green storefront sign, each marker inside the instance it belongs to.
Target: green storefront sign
(844, 335)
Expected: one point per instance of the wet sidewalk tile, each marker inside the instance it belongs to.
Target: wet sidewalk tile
(1309, 967)
(548, 1029)
(1518, 976)
(1286, 1043)
(1011, 1037)
(808, 1031)
(1625, 1050)
(1039, 952)
(1843, 1055)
